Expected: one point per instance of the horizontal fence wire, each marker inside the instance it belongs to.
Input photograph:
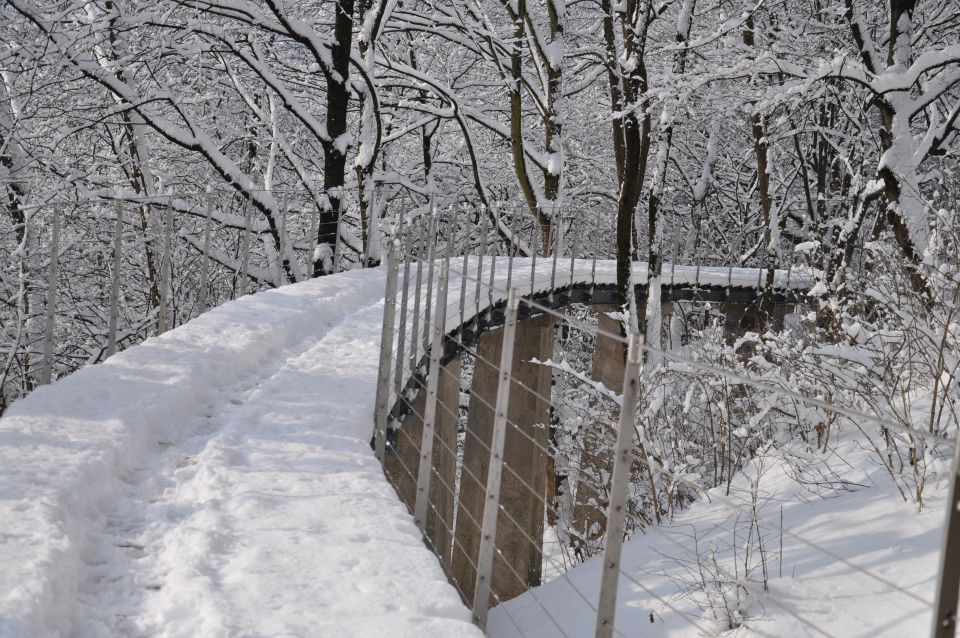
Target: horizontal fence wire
(759, 384)
(536, 493)
(552, 508)
(564, 575)
(534, 543)
(464, 552)
(653, 465)
(435, 471)
(473, 289)
(730, 375)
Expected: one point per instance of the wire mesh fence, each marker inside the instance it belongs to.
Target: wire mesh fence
(520, 459)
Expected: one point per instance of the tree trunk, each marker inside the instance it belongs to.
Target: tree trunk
(335, 150)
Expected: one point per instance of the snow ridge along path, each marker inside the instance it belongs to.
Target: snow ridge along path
(217, 481)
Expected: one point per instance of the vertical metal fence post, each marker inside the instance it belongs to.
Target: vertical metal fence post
(312, 231)
(491, 507)
(245, 249)
(46, 371)
(415, 329)
(482, 249)
(696, 274)
(402, 328)
(673, 262)
(948, 580)
(511, 250)
(451, 235)
(166, 264)
(555, 230)
(430, 408)
(432, 233)
(493, 263)
(534, 242)
(386, 349)
(789, 272)
(729, 280)
(115, 283)
(596, 254)
(205, 263)
(282, 243)
(463, 272)
(575, 229)
(616, 515)
(760, 272)
(337, 251)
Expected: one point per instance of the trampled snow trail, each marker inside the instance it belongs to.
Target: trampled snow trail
(217, 481)
(124, 569)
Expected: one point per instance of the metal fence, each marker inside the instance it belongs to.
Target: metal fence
(466, 421)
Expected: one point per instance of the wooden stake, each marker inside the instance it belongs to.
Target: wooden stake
(115, 283)
(163, 318)
(46, 371)
(205, 263)
(245, 249)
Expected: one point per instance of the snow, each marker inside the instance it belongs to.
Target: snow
(683, 21)
(531, 276)
(217, 480)
(706, 175)
(555, 50)
(818, 290)
(536, 276)
(812, 593)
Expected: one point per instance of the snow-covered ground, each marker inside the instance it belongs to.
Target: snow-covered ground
(217, 481)
(853, 562)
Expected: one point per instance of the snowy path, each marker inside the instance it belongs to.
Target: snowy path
(217, 481)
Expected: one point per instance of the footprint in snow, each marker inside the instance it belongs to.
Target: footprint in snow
(349, 563)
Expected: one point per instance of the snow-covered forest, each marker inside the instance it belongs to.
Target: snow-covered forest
(725, 131)
(159, 159)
